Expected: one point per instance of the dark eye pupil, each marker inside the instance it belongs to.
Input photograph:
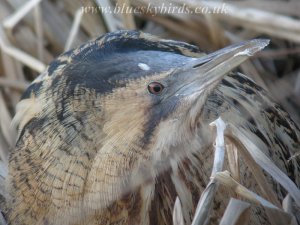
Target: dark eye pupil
(155, 88)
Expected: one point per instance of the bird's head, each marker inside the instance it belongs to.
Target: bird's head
(125, 98)
(147, 92)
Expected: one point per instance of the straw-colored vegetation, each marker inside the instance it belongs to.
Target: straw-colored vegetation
(34, 32)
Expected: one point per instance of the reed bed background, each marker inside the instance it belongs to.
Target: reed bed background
(34, 32)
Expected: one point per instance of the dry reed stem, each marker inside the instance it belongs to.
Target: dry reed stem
(92, 23)
(265, 188)
(24, 58)
(5, 121)
(265, 163)
(13, 84)
(233, 161)
(39, 32)
(18, 15)
(3, 150)
(276, 215)
(128, 19)
(8, 65)
(205, 204)
(215, 31)
(225, 179)
(111, 22)
(74, 29)
(177, 213)
(187, 33)
(287, 204)
(281, 7)
(297, 85)
(265, 22)
(2, 220)
(3, 170)
(23, 37)
(237, 213)
(20, 55)
(8, 62)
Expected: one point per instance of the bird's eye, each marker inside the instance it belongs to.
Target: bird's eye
(155, 88)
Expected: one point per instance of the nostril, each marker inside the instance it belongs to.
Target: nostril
(199, 64)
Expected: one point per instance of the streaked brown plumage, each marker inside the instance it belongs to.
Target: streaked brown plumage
(95, 147)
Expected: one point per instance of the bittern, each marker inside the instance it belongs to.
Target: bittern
(113, 131)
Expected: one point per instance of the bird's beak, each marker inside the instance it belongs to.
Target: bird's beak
(200, 73)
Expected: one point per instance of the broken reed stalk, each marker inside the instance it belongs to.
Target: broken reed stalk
(265, 163)
(225, 179)
(206, 200)
(276, 215)
(265, 188)
(273, 207)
